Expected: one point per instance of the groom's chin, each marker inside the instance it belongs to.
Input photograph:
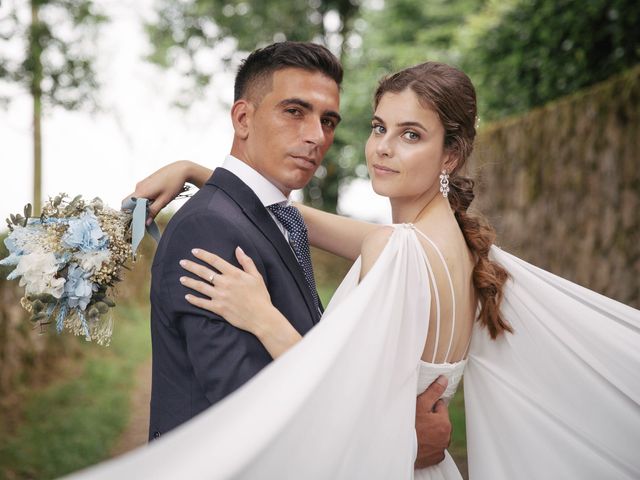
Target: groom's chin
(299, 180)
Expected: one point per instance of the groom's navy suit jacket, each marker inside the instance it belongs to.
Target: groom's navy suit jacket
(199, 358)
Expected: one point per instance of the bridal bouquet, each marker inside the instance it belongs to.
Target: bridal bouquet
(68, 260)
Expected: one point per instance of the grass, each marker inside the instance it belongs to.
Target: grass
(458, 447)
(326, 292)
(75, 422)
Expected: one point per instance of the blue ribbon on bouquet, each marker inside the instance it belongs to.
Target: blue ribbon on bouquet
(140, 207)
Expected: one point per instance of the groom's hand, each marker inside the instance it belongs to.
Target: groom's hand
(433, 427)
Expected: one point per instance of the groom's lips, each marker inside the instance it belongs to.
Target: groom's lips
(304, 162)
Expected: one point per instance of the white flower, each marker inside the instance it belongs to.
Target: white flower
(92, 261)
(37, 272)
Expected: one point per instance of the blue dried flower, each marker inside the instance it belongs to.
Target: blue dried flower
(78, 288)
(62, 314)
(85, 233)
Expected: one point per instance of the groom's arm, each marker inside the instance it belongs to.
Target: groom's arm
(223, 357)
(433, 427)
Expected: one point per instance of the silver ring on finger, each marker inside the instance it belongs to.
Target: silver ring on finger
(211, 278)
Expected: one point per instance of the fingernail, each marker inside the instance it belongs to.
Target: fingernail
(183, 263)
(442, 380)
(187, 296)
(149, 220)
(183, 279)
(195, 251)
(241, 251)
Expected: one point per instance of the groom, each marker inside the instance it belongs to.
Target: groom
(285, 114)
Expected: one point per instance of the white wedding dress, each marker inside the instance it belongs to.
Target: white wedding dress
(560, 398)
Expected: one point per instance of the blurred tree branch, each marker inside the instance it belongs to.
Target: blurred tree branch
(55, 39)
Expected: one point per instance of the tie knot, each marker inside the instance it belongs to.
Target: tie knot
(288, 216)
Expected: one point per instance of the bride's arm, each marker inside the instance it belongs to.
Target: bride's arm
(336, 234)
(241, 298)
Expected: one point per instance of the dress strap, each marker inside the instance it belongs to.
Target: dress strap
(453, 297)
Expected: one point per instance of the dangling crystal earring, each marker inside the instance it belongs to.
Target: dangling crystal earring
(444, 183)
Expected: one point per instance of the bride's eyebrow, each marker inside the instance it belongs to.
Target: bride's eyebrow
(401, 124)
(412, 124)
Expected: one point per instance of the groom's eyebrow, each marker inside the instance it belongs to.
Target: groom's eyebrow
(307, 106)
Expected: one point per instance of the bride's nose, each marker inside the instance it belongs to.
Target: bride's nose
(383, 147)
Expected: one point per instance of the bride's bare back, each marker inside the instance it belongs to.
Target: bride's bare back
(453, 297)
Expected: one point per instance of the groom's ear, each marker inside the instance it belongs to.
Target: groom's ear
(241, 113)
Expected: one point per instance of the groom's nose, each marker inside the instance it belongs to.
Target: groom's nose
(312, 131)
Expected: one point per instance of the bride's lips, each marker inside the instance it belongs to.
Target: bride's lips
(382, 170)
(304, 162)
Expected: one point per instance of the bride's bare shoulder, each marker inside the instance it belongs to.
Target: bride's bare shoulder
(372, 246)
(376, 240)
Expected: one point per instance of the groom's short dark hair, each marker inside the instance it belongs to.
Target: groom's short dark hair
(257, 69)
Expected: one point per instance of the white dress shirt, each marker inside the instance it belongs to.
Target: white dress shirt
(267, 192)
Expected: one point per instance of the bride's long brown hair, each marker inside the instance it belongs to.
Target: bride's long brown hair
(450, 93)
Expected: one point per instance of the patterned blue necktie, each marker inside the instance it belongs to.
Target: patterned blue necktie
(291, 219)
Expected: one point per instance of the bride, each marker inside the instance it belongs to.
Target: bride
(551, 383)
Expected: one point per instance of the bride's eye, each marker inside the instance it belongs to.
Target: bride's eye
(411, 135)
(377, 128)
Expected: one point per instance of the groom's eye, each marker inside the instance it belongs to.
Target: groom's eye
(329, 123)
(294, 111)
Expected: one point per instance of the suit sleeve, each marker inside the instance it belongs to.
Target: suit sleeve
(223, 357)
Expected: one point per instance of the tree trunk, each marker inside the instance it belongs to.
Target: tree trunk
(36, 92)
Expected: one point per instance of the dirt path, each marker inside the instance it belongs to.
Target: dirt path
(137, 431)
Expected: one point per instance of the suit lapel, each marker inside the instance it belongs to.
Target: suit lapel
(250, 204)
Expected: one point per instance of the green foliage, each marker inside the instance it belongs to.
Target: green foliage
(183, 34)
(524, 53)
(75, 423)
(57, 63)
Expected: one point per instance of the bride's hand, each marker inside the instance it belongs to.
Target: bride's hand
(163, 185)
(239, 296)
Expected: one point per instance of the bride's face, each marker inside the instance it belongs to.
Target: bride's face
(405, 151)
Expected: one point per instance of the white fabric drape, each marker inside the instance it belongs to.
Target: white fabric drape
(558, 399)
(561, 397)
(339, 405)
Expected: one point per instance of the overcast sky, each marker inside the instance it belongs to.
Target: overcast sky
(137, 131)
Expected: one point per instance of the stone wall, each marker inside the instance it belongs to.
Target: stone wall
(561, 185)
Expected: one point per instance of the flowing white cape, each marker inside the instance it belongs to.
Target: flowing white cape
(559, 399)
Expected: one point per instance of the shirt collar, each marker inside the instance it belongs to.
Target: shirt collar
(266, 191)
